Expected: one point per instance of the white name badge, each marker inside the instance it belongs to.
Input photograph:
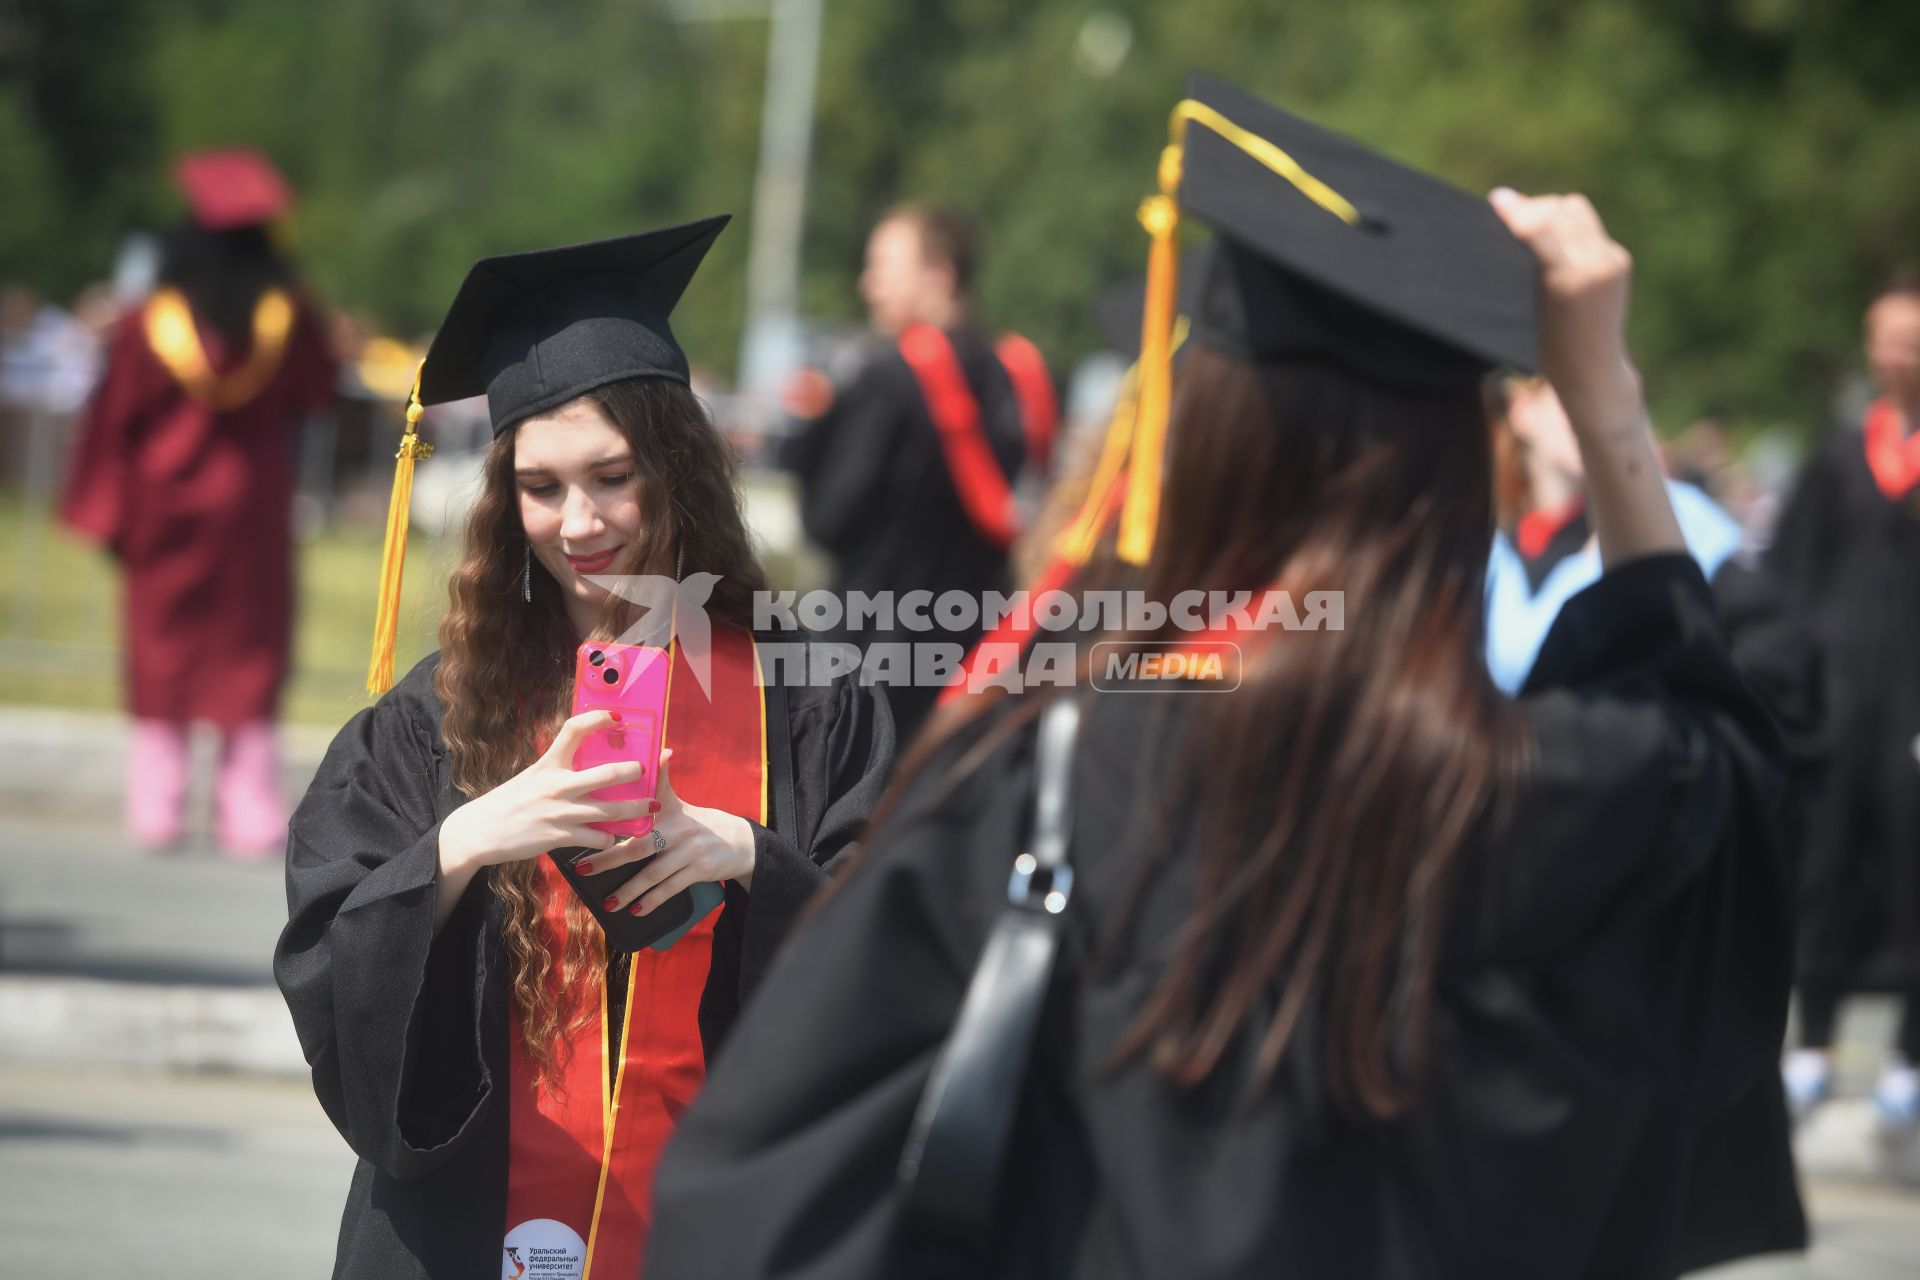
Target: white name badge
(543, 1249)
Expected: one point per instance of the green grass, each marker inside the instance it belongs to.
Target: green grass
(60, 616)
(60, 609)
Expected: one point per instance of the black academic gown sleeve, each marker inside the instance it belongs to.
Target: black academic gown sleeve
(1612, 988)
(389, 1016)
(1633, 933)
(842, 759)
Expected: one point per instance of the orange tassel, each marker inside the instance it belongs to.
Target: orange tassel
(393, 554)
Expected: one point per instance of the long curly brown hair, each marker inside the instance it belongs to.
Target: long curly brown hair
(505, 679)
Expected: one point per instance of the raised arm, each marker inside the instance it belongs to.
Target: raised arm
(1585, 281)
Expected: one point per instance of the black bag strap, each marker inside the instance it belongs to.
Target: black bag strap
(951, 1164)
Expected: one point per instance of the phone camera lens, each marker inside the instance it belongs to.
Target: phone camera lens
(596, 657)
(610, 676)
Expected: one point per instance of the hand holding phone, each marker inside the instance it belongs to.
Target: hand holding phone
(630, 682)
(546, 805)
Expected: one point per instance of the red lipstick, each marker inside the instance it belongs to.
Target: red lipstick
(598, 562)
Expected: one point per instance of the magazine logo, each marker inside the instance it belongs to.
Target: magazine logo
(1210, 666)
(823, 625)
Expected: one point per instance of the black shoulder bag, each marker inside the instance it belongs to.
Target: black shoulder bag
(951, 1165)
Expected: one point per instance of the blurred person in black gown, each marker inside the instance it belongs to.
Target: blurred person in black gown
(908, 467)
(1368, 970)
(1848, 545)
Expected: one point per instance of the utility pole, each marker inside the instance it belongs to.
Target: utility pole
(770, 345)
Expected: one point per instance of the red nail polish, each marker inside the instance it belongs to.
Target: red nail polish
(635, 910)
(616, 716)
(653, 806)
(582, 866)
(611, 904)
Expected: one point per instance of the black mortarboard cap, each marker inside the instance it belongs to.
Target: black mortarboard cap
(534, 330)
(1405, 280)
(1326, 251)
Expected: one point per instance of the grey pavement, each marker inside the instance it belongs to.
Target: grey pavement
(113, 956)
(105, 1172)
(154, 1113)
(108, 1172)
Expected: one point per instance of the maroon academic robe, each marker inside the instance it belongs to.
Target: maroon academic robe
(196, 504)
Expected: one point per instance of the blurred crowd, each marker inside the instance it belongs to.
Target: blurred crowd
(203, 405)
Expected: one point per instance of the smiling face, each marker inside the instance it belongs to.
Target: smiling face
(580, 505)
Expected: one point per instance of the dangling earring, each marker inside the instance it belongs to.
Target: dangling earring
(680, 563)
(526, 577)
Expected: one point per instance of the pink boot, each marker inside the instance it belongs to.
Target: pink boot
(157, 783)
(251, 814)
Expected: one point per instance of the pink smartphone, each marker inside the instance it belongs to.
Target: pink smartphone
(630, 679)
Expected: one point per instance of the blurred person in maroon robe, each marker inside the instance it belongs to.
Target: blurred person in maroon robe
(184, 469)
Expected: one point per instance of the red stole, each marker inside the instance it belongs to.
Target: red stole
(1892, 455)
(985, 494)
(1537, 529)
(581, 1155)
(1033, 388)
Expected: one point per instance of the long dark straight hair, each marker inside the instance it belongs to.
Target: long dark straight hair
(1326, 800)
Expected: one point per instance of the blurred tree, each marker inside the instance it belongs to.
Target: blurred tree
(1759, 156)
(76, 137)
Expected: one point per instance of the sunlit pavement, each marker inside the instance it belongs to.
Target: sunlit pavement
(154, 1118)
(106, 1172)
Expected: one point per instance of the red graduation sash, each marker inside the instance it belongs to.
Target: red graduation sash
(1033, 388)
(581, 1155)
(1892, 455)
(985, 494)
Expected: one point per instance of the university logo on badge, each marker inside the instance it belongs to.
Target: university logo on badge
(543, 1249)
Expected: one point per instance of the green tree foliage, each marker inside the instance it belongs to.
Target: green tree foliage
(1761, 157)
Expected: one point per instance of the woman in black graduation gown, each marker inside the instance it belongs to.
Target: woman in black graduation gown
(505, 1077)
(1369, 971)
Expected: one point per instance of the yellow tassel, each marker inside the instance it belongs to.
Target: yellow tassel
(1160, 215)
(393, 554)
